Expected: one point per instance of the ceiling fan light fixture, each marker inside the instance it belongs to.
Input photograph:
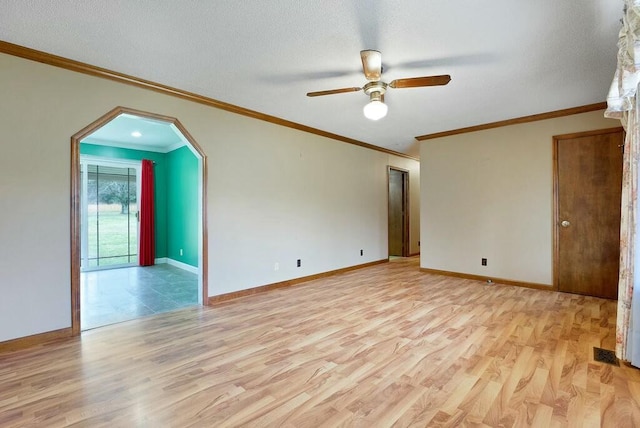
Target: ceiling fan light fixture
(375, 88)
(375, 109)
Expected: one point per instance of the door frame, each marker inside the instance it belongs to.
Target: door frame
(76, 212)
(556, 194)
(406, 243)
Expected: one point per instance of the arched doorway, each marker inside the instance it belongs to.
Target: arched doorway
(77, 251)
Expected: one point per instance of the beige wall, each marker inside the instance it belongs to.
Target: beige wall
(274, 194)
(490, 194)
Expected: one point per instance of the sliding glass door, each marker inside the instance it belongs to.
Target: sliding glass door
(109, 213)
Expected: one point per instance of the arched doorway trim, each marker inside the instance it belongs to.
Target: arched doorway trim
(75, 203)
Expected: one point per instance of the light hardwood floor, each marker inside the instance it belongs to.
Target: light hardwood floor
(382, 346)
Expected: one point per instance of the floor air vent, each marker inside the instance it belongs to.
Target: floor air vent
(605, 356)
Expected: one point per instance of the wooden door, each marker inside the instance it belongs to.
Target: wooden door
(588, 182)
(398, 213)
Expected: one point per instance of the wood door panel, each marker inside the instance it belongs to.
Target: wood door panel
(398, 226)
(589, 180)
(396, 217)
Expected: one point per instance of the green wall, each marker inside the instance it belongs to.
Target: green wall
(176, 198)
(182, 207)
(160, 190)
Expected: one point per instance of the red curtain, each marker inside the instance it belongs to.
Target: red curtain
(147, 254)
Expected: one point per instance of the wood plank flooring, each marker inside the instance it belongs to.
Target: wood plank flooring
(377, 347)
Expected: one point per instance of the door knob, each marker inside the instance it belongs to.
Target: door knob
(565, 223)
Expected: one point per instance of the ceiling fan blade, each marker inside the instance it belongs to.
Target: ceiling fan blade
(332, 91)
(415, 82)
(371, 64)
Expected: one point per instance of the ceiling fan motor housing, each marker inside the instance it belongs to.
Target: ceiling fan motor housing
(375, 90)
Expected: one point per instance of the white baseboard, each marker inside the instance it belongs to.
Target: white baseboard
(182, 266)
(161, 261)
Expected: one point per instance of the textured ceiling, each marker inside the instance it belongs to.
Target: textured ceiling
(507, 58)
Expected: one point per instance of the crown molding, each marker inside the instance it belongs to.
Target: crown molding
(80, 67)
(515, 121)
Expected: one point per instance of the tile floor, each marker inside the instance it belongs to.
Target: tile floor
(116, 295)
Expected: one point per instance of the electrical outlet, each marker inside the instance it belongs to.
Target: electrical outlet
(181, 252)
(361, 252)
(299, 263)
(484, 262)
(276, 266)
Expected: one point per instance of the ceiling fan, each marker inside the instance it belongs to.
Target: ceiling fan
(375, 88)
